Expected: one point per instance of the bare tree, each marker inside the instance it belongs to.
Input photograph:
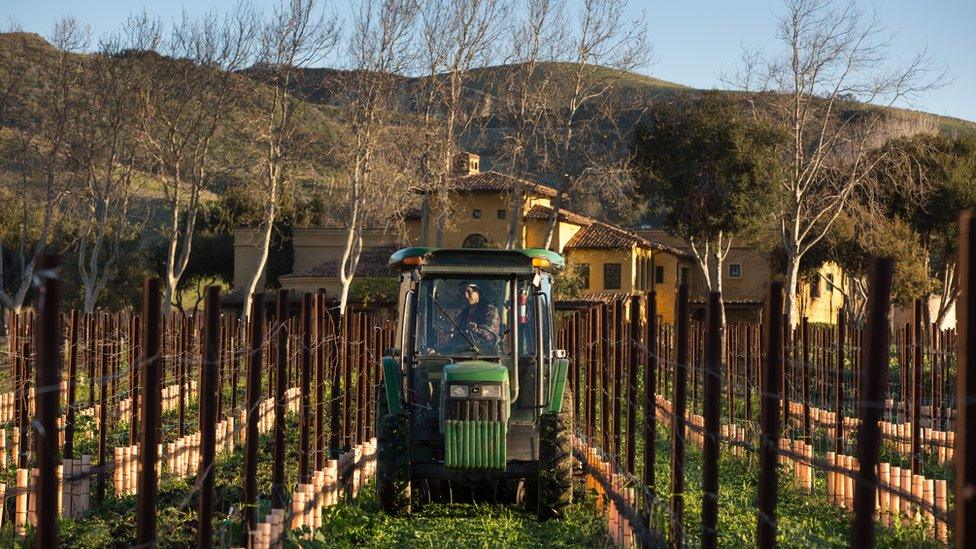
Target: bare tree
(103, 154)
(379, 48)
(297, 35)
(456, 35)
(602, 48)
(832, 87)
(40, 157)
(186, 95)
(523, 95)
(13, 73)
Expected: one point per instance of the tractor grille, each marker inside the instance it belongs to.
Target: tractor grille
(475, 444)
(467, 409)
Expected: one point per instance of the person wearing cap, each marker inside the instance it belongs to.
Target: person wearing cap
(478, 318)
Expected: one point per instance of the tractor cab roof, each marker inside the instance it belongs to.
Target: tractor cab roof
(477, 260)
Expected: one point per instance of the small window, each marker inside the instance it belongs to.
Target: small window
(584, 270)
(611, 276)
(659, 274)
(815, 287)
(735, 270)
(476, 214)
(502, 214)
(685, 277)
(830, 282)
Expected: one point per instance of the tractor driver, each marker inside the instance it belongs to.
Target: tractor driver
(480, 319)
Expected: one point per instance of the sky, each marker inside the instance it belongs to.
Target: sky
(695, 42)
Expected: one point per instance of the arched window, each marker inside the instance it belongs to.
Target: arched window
(475, 241)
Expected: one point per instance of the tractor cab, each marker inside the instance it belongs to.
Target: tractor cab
(473, 372)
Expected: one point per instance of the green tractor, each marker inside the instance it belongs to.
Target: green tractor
(474, 402)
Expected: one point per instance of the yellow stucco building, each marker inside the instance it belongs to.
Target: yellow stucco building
(611, 260)
(746, 274)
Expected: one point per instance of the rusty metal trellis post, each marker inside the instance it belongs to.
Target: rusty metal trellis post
(69, 421)
(305, 415)
(635, 344)
(208, 417)
(918, 339)
(252, 406)
(650, 383)
(839, 385)
(47, 395)
(712, 395)
(769, 416)
(678, 423)
(151, 362)
(281, 382)
(965, 489)
(872, 401)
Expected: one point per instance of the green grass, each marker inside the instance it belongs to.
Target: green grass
(362, 524)
(354, 523)
(805, 519)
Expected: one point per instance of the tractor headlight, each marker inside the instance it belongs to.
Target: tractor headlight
(459, 391)
(491, 391)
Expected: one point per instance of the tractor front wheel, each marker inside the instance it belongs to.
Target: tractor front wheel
(393, 459)
(555, 493)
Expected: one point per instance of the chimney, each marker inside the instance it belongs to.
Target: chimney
(466, 163)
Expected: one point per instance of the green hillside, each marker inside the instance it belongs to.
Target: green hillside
(636, 93)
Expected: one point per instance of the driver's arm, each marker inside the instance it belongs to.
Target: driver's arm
(492, 325)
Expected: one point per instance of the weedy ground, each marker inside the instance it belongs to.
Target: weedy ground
(362, 524)
(805, 520)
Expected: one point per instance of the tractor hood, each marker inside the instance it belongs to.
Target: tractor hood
(475, 370)
(475, 426)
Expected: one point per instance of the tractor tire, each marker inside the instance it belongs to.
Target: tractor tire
(392, 459)
(555, 485)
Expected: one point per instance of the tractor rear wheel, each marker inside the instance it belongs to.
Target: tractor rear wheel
(555, 490)
(393, 458)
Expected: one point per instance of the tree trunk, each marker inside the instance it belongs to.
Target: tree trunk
(15, 302)
(717, 287)
(948, 295)
(348, 265)
(90, 300)
(710, 261)
(262, 261)
(172, 279)
(515, 222)
(790, 299)
(714, 259)
(554, 219)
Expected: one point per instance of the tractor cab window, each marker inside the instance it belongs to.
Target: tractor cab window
(466, 317)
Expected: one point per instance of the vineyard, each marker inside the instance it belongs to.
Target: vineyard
(143, 428)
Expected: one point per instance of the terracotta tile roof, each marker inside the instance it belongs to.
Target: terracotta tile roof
(601, 236)
(372, 262)
(591, 299)
(544, 212)
(742, 301)
(491, 181)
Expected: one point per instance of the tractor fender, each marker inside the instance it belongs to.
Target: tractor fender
(560, 368)
(392, 382)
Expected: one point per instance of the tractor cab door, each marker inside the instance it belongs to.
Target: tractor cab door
(535, 351)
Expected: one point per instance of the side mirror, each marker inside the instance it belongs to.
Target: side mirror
(559, 353)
